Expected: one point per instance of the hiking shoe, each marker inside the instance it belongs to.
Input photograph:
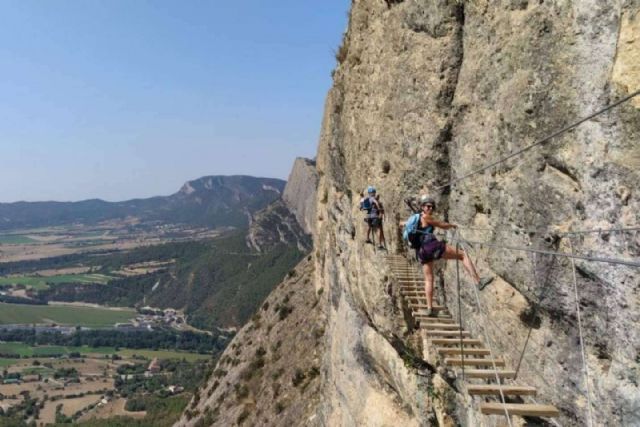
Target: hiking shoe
(484, 282)
(369, 241)
(382, 248)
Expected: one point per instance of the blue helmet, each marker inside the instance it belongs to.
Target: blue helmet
(371, 189)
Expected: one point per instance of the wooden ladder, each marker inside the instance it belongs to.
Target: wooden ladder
(460, 350)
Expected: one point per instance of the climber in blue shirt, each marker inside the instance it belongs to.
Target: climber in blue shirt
(375, 214)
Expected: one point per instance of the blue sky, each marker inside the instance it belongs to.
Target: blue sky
(129, 98)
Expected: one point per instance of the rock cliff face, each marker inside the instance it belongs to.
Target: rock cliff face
(288, 220)
(300, 193)
(428, 90)
(275, 225)
(424, 92)
(269, 374)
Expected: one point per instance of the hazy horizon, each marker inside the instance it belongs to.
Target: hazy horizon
(125, 100)
(168, 193)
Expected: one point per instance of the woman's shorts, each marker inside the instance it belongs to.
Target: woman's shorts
(430, 250)
(373, 222)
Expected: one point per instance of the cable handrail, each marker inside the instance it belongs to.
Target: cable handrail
(552, 231)
(492, 356)
(582, 350)
(615, 261)
(539, 142)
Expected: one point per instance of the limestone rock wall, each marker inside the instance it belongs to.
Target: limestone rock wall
(427, 90)
(276, 225)
(300, 192)
(288, 220)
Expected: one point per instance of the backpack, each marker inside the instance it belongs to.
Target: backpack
(365, 204)
(411, 234)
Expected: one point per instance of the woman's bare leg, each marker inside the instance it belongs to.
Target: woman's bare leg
(428, 283)
(451, 253)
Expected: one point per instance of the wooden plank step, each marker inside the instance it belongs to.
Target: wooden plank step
(454, 361)
(435, 320)
(488, 373)
(456, 341)
(524, 409)
(469, 351)
(507, 390)
(446, 333)
(435, 307)
(437, 314)
(441, 326)
(442, 312)
(419, 305)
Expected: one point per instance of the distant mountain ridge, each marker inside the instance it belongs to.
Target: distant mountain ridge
(211, 201)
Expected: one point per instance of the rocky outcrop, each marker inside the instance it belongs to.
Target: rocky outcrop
(424, 92)
(432, 89)
(270, 372)
(276, 225)
(300, 193)
(289, 219)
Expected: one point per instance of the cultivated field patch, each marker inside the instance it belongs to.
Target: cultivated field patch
(63, 315)
(15, 239)
(39, 282)
(25, 350)
(163, 354)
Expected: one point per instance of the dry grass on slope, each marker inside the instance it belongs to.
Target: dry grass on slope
(269, 374)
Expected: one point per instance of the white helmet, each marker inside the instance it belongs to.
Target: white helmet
(424, 199)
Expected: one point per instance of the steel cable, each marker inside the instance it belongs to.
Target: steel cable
(539, 142)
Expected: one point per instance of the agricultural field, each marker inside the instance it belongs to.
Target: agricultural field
(4, 362)
(69, 315)
(15, 239)
(25, 350)
(114, 408)
(90, 390)
(39, 282)
(164, 354)
(115, 235)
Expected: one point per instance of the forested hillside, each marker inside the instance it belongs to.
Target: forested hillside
(211, 201)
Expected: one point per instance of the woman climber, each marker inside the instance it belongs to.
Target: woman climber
(430, 249)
